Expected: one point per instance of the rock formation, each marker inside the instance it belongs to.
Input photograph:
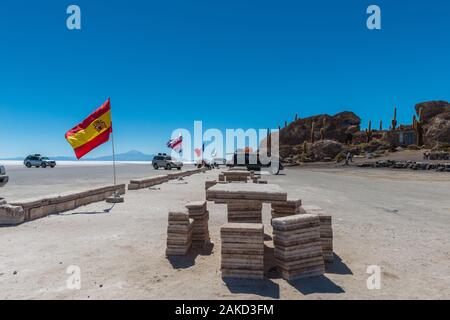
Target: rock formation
(436, 122)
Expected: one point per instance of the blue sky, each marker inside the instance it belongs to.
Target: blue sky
(232, 64)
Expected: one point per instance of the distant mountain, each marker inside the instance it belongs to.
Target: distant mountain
(132, 155)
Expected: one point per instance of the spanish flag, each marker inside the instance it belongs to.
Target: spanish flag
(92, 131)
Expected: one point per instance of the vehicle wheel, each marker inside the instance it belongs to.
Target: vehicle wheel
(168, 167)
(275, 171)
(52, 167)
(155, 166)
(28, 165)
(44, 165)
(179, 168)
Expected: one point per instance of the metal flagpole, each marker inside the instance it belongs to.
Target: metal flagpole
(115, 198)
(112, 141)
(114, 156)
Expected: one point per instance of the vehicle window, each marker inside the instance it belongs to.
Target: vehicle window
(44, 158)
(168, 158)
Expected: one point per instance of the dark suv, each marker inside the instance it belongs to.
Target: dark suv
(252, 162)
(3, 177)
(37, 161)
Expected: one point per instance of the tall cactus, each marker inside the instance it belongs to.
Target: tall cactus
(305, 147)
(313, 126)
(369, 132)
(394, 120)
(285, 123)
(323, 130)
(296, 117)
(381, 125)
(418, 127)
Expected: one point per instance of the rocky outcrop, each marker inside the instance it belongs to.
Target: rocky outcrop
(431, 109)
(325, 150)
(342, 133)
(337, 127)
(437, 131)
(436, 122)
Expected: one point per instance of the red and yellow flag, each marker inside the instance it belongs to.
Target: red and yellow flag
(92, 131)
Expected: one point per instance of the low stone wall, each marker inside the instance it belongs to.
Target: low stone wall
(39, 208)
(11, 215)
(136, 184)
(147, 182)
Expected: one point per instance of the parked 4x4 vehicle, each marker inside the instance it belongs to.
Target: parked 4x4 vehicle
(37, 161)
(3, 177)
(167, 162)
(252, 161)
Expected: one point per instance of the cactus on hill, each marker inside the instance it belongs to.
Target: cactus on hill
(313, 126)
(394, 120)
(323, 130)
(418, 127)
(369, 132)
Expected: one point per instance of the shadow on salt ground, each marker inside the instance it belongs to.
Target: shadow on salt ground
(319, 284)
(337, 267)
(105, 211)
(267, 237)
(187, 261)
(82, 212)
(264, 288)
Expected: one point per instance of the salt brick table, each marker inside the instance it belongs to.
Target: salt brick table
(244, 200)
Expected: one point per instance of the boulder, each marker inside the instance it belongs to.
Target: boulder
(325, 149)
(11, 215)
(431, 109)
(437, 130)
(337, 128)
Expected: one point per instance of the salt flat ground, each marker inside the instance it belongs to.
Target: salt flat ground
(398, 220)
(70, 175)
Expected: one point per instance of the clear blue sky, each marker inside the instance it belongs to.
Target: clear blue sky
(234, 63)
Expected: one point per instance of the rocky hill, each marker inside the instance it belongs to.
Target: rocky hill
(436, 119)
(326, 137)
(337, 128)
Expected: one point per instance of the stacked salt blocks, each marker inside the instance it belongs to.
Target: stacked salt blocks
(210, 183)
(245, 211)
(237, 176)
(242, 250)
(200, 234)
(287, 208)
(298, 251)
(179, 234)
(326, 230)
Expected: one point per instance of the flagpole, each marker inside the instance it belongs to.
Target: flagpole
(114, 157)
(115, 198)
(112, 142)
